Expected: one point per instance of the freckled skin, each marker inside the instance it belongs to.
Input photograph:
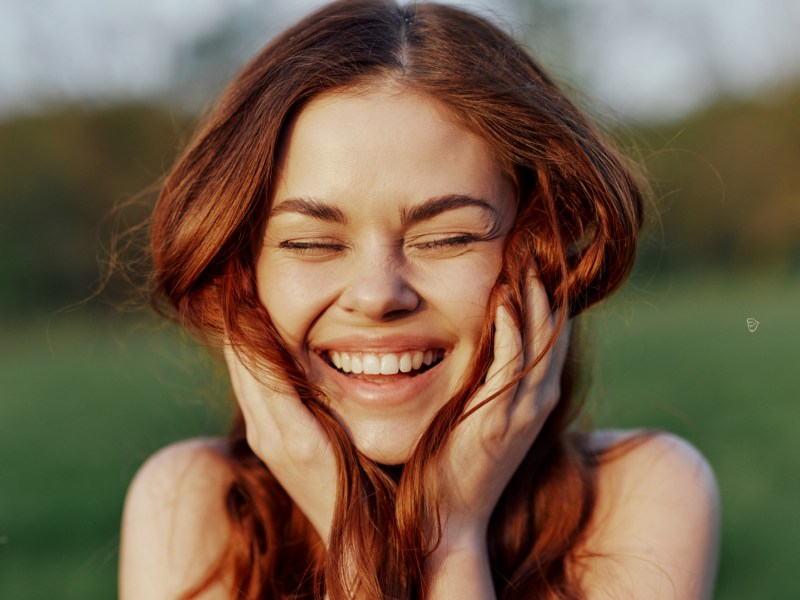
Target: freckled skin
(373, 156)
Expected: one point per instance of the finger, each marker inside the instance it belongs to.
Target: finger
(507, 356)
(274, 408)
(561, 348)
(270, 378)
(539, 386)
(506, 361)
(540, 320)
(250, 396)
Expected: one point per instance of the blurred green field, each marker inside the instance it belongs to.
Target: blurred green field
(85, 402)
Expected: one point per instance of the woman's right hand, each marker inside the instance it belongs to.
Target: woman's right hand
(290, 440)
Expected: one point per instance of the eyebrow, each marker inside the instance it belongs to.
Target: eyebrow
(311, 208)
(409, 216)
(440, 204)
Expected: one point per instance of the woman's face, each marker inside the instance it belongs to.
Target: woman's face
(381, 249)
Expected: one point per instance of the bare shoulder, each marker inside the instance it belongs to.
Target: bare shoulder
(655, 530)
(174, 525)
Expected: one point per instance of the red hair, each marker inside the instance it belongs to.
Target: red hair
(578, 217)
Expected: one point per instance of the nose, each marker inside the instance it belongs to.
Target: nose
(379, 290)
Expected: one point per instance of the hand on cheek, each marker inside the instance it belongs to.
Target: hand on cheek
(486, 448)
(290, 440)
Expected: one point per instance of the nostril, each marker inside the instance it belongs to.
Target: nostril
(396, 314)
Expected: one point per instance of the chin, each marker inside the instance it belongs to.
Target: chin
(387, 445)
(387, 456)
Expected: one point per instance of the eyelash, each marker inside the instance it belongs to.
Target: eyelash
(449, 242)
(322, 247)
(311, 247)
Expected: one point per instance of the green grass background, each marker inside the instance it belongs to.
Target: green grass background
(85, 401)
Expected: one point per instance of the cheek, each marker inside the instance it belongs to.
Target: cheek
(462, 288)
(293, 297)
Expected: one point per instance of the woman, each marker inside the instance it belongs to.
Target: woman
(386, 226)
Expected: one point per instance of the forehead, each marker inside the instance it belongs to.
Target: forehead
(388, 142)
(388, 114)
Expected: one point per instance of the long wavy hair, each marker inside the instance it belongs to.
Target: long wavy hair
(578, 217)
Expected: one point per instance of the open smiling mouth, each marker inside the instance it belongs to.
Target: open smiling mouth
(371, 365)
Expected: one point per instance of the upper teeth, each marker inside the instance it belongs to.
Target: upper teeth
(382, 364)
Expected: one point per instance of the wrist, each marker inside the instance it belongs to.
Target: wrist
(459, 567)
(462, 543)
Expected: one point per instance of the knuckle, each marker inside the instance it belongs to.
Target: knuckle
(551, 395)
(254, 441)
(495, 430)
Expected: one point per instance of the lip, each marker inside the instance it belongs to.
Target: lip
(383, 344)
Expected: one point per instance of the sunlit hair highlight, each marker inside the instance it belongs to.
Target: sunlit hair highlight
(578, 216)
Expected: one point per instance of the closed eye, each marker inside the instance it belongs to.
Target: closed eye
(446, 243)
(313, 247)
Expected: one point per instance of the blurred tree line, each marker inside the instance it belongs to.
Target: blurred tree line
(727, 184)
(726, 181)
(62, 173)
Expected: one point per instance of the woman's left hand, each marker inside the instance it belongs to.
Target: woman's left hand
(486, 448)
